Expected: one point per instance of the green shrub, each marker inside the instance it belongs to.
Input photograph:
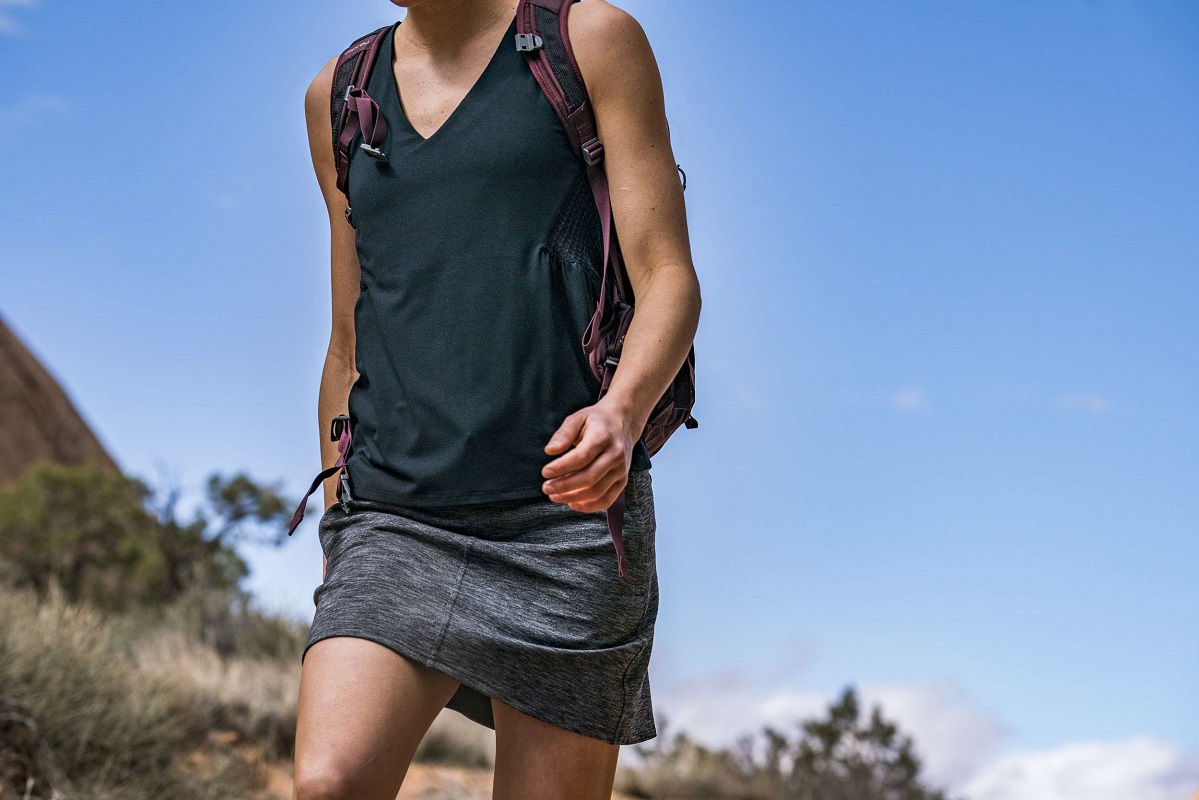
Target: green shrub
(96, 535)
(81, 719)
(838, 758)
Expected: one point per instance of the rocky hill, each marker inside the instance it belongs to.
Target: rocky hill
(37, 418)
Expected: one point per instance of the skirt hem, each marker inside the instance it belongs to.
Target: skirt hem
(484, 687)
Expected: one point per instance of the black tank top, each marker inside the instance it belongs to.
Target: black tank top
(480, 250)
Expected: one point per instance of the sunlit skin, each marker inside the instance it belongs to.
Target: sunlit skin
(363, 708)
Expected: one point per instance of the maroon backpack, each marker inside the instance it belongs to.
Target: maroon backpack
(542, 36)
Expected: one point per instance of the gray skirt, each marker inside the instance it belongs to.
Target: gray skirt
(518, 600)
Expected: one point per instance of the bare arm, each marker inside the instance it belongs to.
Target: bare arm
(339, 372)
(625, 88)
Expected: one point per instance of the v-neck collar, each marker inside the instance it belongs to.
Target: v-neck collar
(395, 88)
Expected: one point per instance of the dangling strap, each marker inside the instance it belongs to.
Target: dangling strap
(371, 123)
(340, 433)
(348, 99)
(616, 532)
(543, 37)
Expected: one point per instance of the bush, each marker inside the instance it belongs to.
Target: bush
(94, 534)
(78, 718)
(838, 758)
(85, 530)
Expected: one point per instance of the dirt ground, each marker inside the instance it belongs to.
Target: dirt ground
(424, 782)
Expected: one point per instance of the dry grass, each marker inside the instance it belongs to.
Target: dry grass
(82, 721)
(682, 769)
(143, 706)
(256, 698)
(195, 701)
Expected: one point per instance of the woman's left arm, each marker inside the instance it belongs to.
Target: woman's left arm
(625, 89)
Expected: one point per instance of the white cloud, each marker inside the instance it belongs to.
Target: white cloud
(8, 25)
(903, 398)
(227, 201)
(17, 117)
(951, 736)
(909, 398)
(718, 707)
(751, 399)
(1082, 402)
(958, 743)
(1134, 769)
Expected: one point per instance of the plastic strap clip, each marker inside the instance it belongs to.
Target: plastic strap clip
(593, 151)
(528, 42)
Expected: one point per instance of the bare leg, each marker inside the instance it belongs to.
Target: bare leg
(538, 761)
(363, 710)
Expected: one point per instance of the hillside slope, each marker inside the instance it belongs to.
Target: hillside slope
(37, 418)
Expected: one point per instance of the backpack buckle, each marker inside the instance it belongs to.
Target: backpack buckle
(339, 423)
(593, 151)
(343, 492)
(373, 152)
(528, 42)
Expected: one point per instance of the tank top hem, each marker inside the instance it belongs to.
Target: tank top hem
(365, 489)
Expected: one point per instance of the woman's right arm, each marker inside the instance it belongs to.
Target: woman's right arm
(339, 373)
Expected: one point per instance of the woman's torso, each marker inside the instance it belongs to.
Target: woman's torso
(480, 250)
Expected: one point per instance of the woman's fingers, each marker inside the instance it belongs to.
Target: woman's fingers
(596, 496)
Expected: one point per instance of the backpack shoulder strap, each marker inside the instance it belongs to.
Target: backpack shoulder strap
(543, 36)
(349, 101)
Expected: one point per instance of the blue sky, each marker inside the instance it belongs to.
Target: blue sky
(947, 365)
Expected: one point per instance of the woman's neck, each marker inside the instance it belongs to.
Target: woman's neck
(442, 27)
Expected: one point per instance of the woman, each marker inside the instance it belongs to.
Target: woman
(471, 566)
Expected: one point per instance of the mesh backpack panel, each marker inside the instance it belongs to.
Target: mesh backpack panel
(575, 237)
(546, 44)
(543, 36)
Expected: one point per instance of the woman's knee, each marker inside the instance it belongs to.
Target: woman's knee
(322, 784)
(328, 781)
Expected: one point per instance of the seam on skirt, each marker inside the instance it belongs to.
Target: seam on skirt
(494, 691)
(624, 676)
(640, 493)
(641, 490)
(449, 614)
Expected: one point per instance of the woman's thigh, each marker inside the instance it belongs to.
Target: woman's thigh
(363, 710)
(535, 760)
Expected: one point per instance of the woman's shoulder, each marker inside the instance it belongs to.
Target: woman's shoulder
(609, 45)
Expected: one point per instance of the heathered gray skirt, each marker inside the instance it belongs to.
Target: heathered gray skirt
(518, 600)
